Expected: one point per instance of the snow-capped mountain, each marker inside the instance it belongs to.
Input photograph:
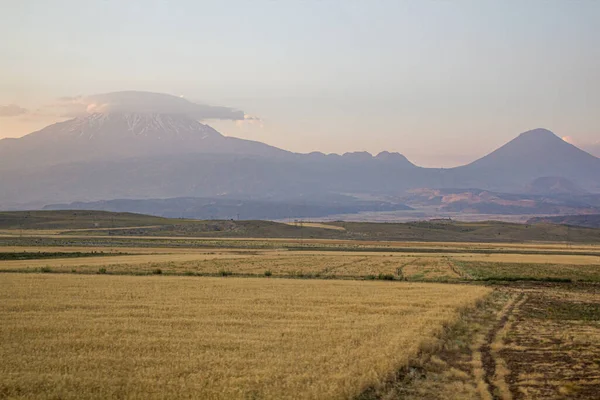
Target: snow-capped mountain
(144, 126)
(118, 135)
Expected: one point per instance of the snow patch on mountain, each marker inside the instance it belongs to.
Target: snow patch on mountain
(136, 124)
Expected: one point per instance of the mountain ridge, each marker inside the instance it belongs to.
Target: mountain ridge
(124, 154)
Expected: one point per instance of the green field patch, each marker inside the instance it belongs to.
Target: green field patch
(564, 310)
(529, 272)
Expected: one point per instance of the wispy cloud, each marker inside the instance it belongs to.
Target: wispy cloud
(12, 110)
(144, 102)
(568, 139)
(250, 120)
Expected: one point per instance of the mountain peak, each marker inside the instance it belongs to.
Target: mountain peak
(533, 154)
(358, 156)
(119, 127)
(392, 157)
(539, 133)
(140, 124)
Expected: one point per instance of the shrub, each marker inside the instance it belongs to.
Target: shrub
(386, 277)
(157, 271)
(268, 273)
(225, 273)
(45, 270)
(102, 271)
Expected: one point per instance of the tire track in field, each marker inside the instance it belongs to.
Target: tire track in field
(331, 269)
(489, 356)
(460, 272)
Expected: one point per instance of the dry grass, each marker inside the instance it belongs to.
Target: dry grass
(325, 264)
(126, 263)
(456, 371)
(75, 336)
(278, 263)
(429, 268)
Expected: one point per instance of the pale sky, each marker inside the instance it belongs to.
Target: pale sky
(442, 82)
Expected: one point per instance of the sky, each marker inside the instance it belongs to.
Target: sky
(442, 82)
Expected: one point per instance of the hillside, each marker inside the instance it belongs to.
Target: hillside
(98, 223)
(532, 155)
(478, 201)
(75, 219)
(588, 221)
(224, 208)
(118, 136)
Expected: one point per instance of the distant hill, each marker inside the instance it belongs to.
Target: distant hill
(478, 201)
(554, 185)
(589, 221)
(223, 208)
(75, 219)
(99, 223)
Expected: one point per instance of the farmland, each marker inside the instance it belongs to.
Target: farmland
(405, 266)
(99, 336)
(162, 312)
(99, 223)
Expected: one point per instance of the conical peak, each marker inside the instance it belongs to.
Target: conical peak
(539, 133)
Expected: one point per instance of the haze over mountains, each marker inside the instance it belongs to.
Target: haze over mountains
(145, 151)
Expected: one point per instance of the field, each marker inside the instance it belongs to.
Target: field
(413, 265)
(67, 336)
(99, 223)
(153, 309)
(533, 341)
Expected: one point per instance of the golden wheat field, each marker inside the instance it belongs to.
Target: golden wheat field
(285, 263)
(81, 336)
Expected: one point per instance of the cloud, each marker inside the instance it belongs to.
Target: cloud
(144, 102)
(568, 139)
(250, 120)
(12, 110)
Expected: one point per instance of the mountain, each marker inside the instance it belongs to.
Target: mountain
(134, 145)
(202, 175)
(594, 149)
(532, 155)
(102, 157)
(114, 136)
